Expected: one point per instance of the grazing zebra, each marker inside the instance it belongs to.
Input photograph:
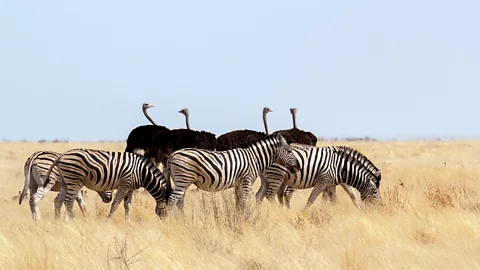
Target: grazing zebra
(36, 167)
(329, 192)
(322, 168)
(237, 168)
(103, 170)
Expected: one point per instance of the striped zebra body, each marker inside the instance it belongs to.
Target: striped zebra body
(36, 167)
(329, 192)
(237, 168)
(103, 170)
(323, 168)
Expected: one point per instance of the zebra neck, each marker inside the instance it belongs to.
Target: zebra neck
(262, 157)
(152, 182)
(354, 177)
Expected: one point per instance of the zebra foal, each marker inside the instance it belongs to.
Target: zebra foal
(322, 169)
(36, 167)
(103, 170)
(237, 168)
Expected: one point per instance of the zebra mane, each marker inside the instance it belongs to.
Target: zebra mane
(302, 146)
(346, 151)
(264, 139)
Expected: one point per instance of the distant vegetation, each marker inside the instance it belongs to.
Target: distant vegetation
(365, 138)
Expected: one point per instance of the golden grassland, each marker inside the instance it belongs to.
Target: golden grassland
(430, 220)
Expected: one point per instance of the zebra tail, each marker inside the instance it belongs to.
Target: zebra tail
(167, 175)
(27, 182)
(47, 181)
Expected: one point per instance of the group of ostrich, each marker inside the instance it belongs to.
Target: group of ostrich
(158, 142)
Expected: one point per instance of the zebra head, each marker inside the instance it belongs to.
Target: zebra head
(371, 192)
(284, 155)
(106, 196)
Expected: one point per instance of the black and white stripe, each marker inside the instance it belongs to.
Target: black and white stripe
(323, 168)
(36, 167)
(330, 192)
(103, 170)
(237, 168)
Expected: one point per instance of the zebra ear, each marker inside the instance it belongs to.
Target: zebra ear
(282, 139)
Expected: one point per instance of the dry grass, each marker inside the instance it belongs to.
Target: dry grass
(430, 220)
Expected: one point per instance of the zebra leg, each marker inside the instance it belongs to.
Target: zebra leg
(274, 187)
(72, 191)
(317, 189)
(127, 202)
(330, 194)
(178, 197)
(81, 204)
(263, 188)
(281, 193)
(122, 192)
(270, 195)
(59, 199)
(351, 192)
(241, 194)
(288, 196)
(182, 182)
(239, 199)
(33, 207)
(180, 202)
(35, 199)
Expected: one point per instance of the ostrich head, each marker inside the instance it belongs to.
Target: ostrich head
(146, 106)
(184, 111)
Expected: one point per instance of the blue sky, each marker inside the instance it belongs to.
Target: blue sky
(388, 69)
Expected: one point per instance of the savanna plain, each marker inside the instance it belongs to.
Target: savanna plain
(430, 219)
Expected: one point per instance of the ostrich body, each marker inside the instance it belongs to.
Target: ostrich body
(295, 135)
(164, 143)
(242, 138)
(140, 137)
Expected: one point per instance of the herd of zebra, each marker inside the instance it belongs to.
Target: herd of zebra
(285, 160)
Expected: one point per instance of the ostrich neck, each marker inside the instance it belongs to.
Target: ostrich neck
(187, 122)
(294, 118)
(265, 123)
(148, 117)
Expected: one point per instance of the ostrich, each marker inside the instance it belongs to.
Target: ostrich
(293, 135)
(242, 138)
(139, 138)
(164, 143)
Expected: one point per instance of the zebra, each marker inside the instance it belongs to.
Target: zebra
(236, 168)
(36, 167)
(323, 168)
(104, 170)
(329, 192)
